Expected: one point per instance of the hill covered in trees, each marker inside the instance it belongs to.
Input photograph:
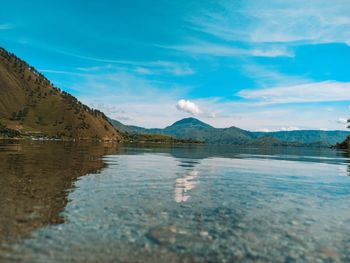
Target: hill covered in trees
(194, 129)
(30, 105)
(346, 143)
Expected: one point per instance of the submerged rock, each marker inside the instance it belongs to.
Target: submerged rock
(163, 235)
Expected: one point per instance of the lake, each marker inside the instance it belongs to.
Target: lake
(75, 202)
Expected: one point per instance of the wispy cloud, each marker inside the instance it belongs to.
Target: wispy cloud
(144, 67)
(225, 50)
(63, 72)
(325, 91)
(342, 120)
(267, 76)
(139, 68)
(277, 22)
(6, 26)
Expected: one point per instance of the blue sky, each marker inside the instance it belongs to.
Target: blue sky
(258, 65)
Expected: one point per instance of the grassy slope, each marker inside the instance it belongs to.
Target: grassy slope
(30, 104)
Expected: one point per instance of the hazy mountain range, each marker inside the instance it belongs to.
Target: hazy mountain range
(191, 128)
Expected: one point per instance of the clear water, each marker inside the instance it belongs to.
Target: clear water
(63, 202)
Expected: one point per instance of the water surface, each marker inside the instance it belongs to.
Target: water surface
(64, 202)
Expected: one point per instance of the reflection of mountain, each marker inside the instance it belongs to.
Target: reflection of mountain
(346, 154)
(197, 152)
(35, 180)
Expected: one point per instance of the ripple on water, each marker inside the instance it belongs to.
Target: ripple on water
(151, 207)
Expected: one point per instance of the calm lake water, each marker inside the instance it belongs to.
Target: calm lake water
(66, 202)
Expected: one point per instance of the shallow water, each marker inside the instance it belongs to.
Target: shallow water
(64, 202)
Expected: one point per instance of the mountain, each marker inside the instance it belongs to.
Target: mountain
(191, 128)
(190, 122)
(346, 143)
(307, 136)
(31, 105)
(132, 129)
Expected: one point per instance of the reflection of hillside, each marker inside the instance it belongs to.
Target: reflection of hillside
(347, 155)
(305, 154)
(35, 180)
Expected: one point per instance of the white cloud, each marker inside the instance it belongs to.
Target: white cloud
(220, 50)
(195, 110)
(272, 52)
(266, 76)
(141, 67)
(171, 67)
(212, 115)
(288, 128)
(310, 92)
(342, 120)
(189, 107)
(145, 71)
(319, 21)
(132, 67)
(6, 26)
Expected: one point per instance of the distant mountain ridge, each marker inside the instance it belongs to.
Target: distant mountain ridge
(31, 106)
(192, 128)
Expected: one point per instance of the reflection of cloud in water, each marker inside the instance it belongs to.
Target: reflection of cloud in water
(185, 184)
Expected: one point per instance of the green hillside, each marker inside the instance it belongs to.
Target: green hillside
(307, 136)
(346, 143)
(31, 105)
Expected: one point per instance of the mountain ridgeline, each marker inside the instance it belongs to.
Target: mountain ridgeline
(30, 105)
(194, 129)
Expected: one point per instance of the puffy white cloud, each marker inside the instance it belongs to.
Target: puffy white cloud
(189, 107)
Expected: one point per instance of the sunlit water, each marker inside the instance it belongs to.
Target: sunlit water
(63, 202)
